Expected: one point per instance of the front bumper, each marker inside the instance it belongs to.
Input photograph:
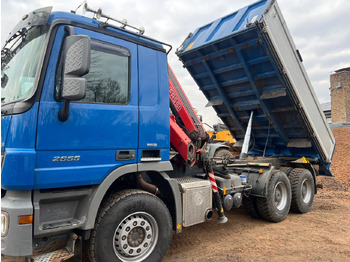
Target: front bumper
(18, 241)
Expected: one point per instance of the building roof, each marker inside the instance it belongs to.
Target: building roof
(343, 69)
(326, 106)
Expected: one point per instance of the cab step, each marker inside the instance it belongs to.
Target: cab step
(55, 256)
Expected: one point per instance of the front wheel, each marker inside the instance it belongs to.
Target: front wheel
(133, 225)
(275, 206)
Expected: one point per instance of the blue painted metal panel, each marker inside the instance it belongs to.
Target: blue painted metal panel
(226, 26)
(5, 125)
(154, 126)
(21, 133)
(18, 168)
(91, 169)
(233, 61)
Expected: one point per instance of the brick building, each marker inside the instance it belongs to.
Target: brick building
(340, 95)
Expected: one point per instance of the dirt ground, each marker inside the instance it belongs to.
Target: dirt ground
(323, 234)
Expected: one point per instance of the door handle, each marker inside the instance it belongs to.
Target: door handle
(125, 155)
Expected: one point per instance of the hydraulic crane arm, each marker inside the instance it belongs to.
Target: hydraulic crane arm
(187, 132)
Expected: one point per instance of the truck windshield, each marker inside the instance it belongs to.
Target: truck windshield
(19, 64)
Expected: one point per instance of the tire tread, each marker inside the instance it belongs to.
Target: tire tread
(264, 207)
(294, 177)
(250, 205)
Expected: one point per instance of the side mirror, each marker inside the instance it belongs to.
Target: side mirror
(76, 55)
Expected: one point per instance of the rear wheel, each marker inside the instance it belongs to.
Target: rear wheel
(133, 225)
(223, 153)
(303, 190)
(275, 206)
(250, 206)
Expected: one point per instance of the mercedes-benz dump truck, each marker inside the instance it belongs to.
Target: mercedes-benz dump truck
(99, 143)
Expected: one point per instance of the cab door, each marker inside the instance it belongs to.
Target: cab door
(101, 133)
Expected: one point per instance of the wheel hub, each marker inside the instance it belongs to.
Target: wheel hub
(306, 191)
(135, 237)
(280, 195)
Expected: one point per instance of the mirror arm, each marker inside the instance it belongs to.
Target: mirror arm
(64, 113)
(69, 29)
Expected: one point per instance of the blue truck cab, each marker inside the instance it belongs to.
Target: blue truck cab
(61, 157)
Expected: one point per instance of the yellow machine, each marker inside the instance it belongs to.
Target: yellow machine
(222, 134)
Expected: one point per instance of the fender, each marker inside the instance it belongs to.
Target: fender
(100, 191)
(260, 182)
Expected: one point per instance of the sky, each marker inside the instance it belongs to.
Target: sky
(320, 30)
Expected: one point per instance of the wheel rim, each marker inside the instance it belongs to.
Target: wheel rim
(280, 195)
(135, 237)
(306, 190)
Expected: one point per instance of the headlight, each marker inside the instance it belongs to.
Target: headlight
(4, 224)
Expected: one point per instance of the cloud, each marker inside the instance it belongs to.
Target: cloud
(321, 32)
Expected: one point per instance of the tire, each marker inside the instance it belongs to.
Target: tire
(223, 153)
(132, 225)
(286, 170)
(275, 206)
(250, 206)
(303, 190)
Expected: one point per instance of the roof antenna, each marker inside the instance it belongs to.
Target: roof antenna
(74, 11)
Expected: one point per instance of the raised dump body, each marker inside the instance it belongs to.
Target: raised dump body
(247, 61)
